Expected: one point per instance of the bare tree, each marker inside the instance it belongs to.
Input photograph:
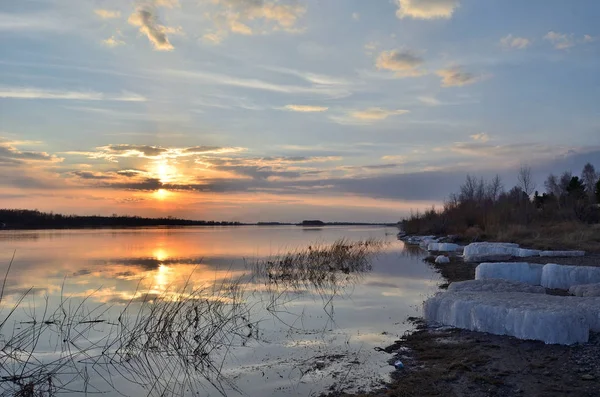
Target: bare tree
(468, 189)
(552, 186)
(589, 176)
(525, 179)
(494, 188)
(564, 181)
(480, 191)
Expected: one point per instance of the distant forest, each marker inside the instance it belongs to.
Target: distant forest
(30, 219)
(33, 219)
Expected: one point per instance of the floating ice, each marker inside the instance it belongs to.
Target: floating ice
(442, 259)
(562, 253)
(495, 285)
(585, 290)
(551, 319)
(564, 277)
(443, 247)
(529, 273)
(479, 252)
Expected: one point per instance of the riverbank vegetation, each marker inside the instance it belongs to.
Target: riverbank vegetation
(565, 214)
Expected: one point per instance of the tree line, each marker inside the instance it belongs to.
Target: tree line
(33, 219)
(485, 204)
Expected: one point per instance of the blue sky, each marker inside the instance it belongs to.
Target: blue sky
(264, 109)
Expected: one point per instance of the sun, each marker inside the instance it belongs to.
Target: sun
(164, 171)
(161, 194)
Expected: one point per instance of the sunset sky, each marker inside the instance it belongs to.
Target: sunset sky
(257, 110)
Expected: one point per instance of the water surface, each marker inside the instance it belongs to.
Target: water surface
(314, 340)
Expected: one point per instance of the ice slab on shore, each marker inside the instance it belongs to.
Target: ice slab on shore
(426, 241)
(495, 285)
(443, 247)
(564, 277)
(479, 252)
(530, 273)
(585, 290)
(417, 240)
(568, 254)
(551, 319)
(442, 259)
(526, 253)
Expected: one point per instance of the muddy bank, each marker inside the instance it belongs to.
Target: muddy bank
(451, 362)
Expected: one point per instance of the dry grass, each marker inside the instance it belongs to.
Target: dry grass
(323, 270)
(565, 235)
(165, 344)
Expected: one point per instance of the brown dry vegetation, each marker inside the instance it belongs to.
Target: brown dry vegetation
(566, 235)
(566, 216)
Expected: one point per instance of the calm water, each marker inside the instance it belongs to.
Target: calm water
(315, 339)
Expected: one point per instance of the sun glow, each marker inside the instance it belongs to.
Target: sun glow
(161, 194)
(160, 254)
(165, 172)
(162, 277)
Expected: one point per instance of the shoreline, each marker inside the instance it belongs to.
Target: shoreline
(166, 226)
(451, 362)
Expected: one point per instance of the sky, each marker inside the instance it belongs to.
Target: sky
(284, 110)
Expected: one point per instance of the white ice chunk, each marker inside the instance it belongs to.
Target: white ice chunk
(551, 319)
(564, 277)
(442, 259)
(562, 253)
(530, 273)
(479, 252)
(443, 247)
(495, 285)
(585, 290)
(418, 240)
(526, 253)
(426, 241)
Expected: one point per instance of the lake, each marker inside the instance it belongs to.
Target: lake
(269, 336)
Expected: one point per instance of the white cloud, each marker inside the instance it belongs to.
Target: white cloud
(561, 41)
(426, 9)
(306, 108)
(113, 41)
(250, 17)
(394, 157)
(213, 38)
(166, 3)
(33, 22)
(108, 14)
(39, 93)
(429, 100)
(564, 41)
(147, 21)
(512, 42)
(356, 16)
(481, 137)
(221, 79)
(457, 77)
(404, 63)
(371, 114)
(367, 116)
